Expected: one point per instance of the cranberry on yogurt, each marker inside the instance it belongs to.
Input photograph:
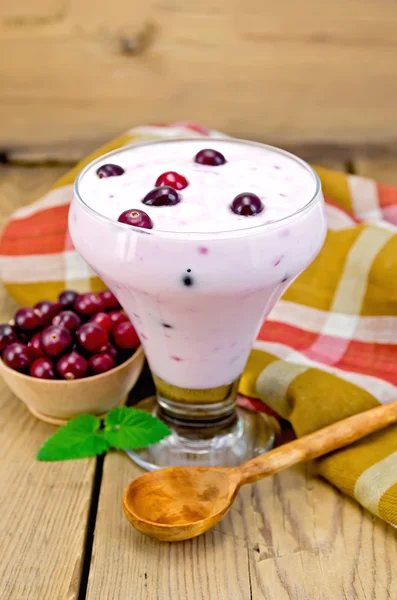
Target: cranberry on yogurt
(110, 170)
(172, 179)
(247, 204)
(162, 196)
(210, 157)
(136, 218)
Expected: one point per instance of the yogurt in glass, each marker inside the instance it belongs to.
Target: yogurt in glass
(227, 225)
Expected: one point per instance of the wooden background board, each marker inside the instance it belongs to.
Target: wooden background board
(77, 72)
(44, 506)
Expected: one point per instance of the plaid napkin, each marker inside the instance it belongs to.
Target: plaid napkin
(328, 349)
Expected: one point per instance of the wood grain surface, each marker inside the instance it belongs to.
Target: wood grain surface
(128, 565)
(44, 506)
(289, 537)
(385, 171)
(79, 72)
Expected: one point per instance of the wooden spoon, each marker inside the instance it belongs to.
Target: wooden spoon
(179, 503)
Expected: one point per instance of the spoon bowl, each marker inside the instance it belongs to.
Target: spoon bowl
(180, 503)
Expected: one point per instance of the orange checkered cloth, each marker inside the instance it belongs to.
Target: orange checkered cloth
(329, 347)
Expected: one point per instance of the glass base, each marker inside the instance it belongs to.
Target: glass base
(246, 436)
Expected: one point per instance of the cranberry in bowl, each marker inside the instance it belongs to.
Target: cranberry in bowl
(56, 373)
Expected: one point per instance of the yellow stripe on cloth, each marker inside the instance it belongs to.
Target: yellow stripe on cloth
(381, 293)
(375, 481)
(257, 361)
(388, 505)
(30, 293)
(320, 399)
(317, 285)
(273, 383)
(344, 467)
(336, 186)
(351, 289)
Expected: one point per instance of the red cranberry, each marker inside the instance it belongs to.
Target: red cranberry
(67, 298)
(109, 170)
(136, 218)
(55, 340)
(72, 366)
(7, 335)
(125, 336)
(48, 310)
(103, 320)
(112, 350)
(17, 356)
(110, 301)
(28, 319)
(88, 304)
(162, 196)
(99, 363)
(92, 337)
(118, 317)
(209, 157)
(247, 204)
(68, 319)
(42, 368)
(172, 179)
(35, 347)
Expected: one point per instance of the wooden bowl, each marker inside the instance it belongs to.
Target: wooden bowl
(57, 401)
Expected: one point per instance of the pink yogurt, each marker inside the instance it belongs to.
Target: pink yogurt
(198, 286)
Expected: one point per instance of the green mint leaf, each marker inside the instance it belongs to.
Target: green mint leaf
(127, 428)
(79, 438)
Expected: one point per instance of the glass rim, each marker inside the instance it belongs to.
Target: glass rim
(198, 234)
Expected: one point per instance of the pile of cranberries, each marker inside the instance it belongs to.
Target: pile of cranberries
(77, 336)
(169, 184)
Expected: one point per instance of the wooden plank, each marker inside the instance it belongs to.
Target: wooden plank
(384, 171)
(81, 72)
(212, 566)
(290, 537)
(314, 543)
(44, 511)
(44, 506)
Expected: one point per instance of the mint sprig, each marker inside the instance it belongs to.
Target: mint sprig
(126, 428)
(79, 438)
(123, 428)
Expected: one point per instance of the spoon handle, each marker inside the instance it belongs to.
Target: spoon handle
(341, 433)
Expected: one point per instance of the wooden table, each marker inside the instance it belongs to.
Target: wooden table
(63, 535)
